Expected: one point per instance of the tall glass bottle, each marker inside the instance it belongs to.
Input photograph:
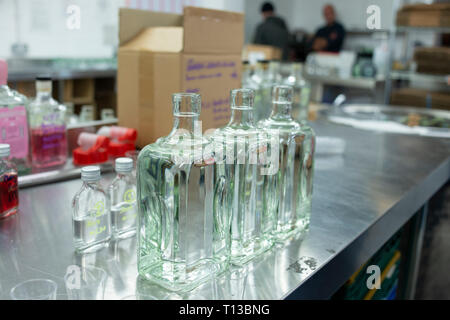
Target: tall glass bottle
(122, 193)
(13, 122)
(91, 218)
(48, 127)
(182, 240)
(268, 75)
(239, 143)
(302, 92)
(9, 191)
(287, 194)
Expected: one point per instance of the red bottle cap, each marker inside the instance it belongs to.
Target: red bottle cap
(98, 153)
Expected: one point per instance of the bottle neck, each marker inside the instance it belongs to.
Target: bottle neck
(43, 90)
(281, 111)
(185, 123)
(241, 117)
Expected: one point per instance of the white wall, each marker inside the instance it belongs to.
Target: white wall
(42, 24)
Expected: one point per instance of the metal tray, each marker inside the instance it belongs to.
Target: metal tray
(386, 118)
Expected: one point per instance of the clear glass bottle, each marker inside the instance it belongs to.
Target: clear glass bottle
(9, 191)
(267, 76)
(91, 219)
(122, 193)
(239, 142)
(182, 240)
(287, 194)
(14, 122)
(48, 127)
(302, 92)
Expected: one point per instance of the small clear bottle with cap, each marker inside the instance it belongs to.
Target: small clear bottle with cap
(9, 192)
(122, 193)
(48, 127)
(91, 217)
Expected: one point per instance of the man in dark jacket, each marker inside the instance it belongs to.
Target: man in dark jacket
(273, 31)
(331, 36)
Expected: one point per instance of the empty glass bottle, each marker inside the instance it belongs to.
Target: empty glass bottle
(13, 122)
(267, 75)
(240, 144)
(182, 240)
(302, 92)
(122, 193)
(9, 191)
(91, 220)
(48, 127)
(287, 194)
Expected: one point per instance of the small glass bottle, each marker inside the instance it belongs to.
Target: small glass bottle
(91, 217)
(13, 122)
(240, 171)
(287, 194)
(48, 127)
(122, 193)
(302, 92)
(9, 192)
(182, 239)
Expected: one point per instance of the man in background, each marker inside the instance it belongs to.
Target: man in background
(273, 30)
(331, 36)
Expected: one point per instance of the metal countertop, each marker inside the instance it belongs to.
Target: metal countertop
(361, 198)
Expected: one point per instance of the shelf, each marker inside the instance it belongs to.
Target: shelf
(425, 29)
(352, 82)
(414, 76)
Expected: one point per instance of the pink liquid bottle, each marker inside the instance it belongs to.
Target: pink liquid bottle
(14, 123)
(48, 128)
(9, 192)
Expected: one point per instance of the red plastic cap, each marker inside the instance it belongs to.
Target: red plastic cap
(117, 149)
(96, 154)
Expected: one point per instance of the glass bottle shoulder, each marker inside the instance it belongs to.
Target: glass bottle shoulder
(11, 98)
(7, 166)
(91, 197)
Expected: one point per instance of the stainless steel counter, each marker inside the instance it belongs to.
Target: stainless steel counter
(360, 200)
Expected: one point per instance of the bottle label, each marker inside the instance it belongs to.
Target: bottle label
(14, 130)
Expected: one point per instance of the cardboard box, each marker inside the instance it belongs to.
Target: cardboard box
(255, 52)
(424, 15)
(161, 54)
(413, 97)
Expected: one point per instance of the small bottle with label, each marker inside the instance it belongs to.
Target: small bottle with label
(13, 122)
(122, 192)
(91, 218)
(9, 192)
(48, 127)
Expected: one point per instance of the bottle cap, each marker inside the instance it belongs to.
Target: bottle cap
(90, 173)
(3, 72)
(4, 150)
(43, 77)
(124, 165)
